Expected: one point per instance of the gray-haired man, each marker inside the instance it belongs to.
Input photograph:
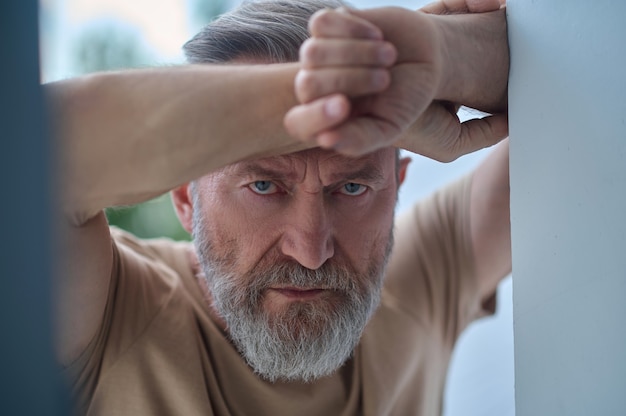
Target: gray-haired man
(299, 301)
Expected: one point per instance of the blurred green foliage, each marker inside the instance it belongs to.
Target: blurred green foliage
(110, 45)
(154, 218)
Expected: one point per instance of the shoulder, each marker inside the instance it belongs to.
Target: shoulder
(177, 255)
(160, 255)
(431, 268)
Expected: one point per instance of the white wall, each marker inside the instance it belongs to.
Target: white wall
(568, 181)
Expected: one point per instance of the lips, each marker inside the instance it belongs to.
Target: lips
(298, 293)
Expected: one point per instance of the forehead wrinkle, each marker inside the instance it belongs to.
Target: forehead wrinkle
(369, 168)
(275, 167)
(324, 167)
(369, 172)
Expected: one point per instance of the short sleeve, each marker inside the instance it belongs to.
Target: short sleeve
(140, 286)
(431, 273)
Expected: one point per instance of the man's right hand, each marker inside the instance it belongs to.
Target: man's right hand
(436, 70)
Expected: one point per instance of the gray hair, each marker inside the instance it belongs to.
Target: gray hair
(267, 30)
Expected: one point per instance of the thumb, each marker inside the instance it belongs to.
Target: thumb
(478, 134)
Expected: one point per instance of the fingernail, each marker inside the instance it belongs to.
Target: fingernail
(387, 54)
(334, 107)
(326, 141)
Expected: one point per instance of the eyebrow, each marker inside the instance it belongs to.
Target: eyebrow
(368, 172)
(253, 169)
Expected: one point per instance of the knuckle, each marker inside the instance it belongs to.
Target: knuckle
(291, 125)
(306, 85)
(320, 21)
(310, 53)
(305, 49)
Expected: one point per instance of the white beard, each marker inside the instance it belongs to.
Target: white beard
(305, 341)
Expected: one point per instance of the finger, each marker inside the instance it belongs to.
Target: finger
(354, 82)
(438, 134)
(341, 23)
(483, 6)
(413, 34)
(434, 134)
(462, 6)
(358, 136)
(306, 121)
(437, 7)
(478, 134)
(318, 52)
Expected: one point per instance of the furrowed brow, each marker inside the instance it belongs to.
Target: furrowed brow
(257, 171)
(369, 173)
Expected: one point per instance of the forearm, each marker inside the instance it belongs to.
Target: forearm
(490, 219)
(475, 56)
(125, 137)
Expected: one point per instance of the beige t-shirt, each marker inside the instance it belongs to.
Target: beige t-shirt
(159, 353)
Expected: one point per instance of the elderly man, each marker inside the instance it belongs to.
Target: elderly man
(301, 293)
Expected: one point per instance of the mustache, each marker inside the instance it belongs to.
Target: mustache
(288, 273)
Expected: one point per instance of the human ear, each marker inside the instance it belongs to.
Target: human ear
(404, 163)
(182, 199)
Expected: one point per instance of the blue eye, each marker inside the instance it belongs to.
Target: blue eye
(263, 187)
(353, 189)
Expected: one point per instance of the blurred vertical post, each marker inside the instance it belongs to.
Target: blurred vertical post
(28, 376)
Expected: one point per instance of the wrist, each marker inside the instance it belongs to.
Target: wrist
(474, 55)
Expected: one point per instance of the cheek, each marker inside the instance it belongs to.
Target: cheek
(363, 234)
(364, 245)
(238, 231)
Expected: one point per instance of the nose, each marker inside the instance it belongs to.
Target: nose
(308, 235)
